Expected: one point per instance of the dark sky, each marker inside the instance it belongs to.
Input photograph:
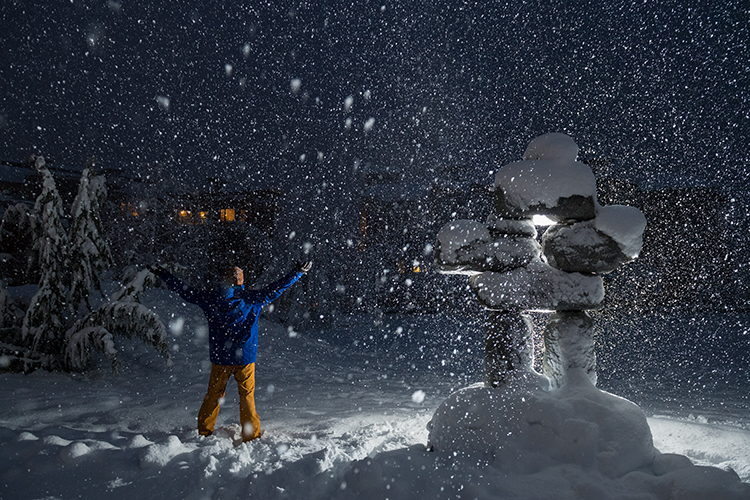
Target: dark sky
(660, 88)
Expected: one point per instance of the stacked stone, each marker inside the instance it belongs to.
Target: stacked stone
(510, 273)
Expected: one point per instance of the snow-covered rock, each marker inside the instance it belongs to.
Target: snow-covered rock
(508, 347)
(623, 224)
(581, 248)
(600, 245)
(520, 227)
(460, 234)
(547, 182)
(569, 344)
(552, 146)
(468, 247)
(538, 286)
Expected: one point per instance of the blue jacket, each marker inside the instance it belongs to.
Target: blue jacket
(232, 314)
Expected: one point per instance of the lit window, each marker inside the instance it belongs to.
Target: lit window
(227, 214)
(129, 208)
(184, 215)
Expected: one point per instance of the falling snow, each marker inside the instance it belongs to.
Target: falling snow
(374, 125)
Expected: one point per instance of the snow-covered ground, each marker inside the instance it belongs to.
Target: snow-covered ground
(342, 417)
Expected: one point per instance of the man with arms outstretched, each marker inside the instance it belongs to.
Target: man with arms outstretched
(232, 313)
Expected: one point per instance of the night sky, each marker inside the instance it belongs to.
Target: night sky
(276, 92)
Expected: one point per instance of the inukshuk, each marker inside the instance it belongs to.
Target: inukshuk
(512, 273)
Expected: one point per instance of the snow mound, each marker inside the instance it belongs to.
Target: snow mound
(74, 451)
(160, 454)
(139, 441)
(524, 430)
(55, 441)
(27, 436)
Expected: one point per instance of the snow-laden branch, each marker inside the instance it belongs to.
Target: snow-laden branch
(122, 316)
(133, 290)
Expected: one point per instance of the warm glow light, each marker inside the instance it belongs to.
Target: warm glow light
(129, 208)
(542, 220)
(227, 214)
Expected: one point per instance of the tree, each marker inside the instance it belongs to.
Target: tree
(122, 315)
(90, 254)
(44, 323)
(49, 338)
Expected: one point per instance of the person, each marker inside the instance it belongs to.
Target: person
(232, 313)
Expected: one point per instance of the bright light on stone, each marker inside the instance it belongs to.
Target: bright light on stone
(542, 220)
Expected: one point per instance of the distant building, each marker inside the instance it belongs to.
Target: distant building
(217, 203)
(258, 207)
(399, 217)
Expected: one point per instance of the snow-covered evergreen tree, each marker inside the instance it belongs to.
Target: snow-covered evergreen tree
(44, 323)
(122, 316)
(46, 335)
(90, 254)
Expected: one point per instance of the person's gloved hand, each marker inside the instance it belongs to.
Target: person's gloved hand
(304, 266)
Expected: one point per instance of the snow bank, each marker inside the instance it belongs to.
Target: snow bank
(704, 443)
(522, 442)
(522, 429)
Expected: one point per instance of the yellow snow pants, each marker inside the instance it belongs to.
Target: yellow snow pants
(244, 375)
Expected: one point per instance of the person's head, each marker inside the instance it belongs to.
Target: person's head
(234, 276)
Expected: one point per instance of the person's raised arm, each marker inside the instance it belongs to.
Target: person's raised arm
(274, 290)
(173, 283)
